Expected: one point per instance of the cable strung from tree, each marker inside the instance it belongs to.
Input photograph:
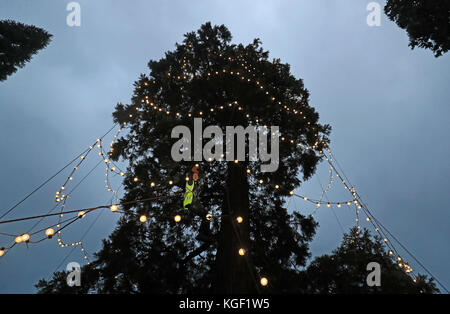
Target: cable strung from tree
(49, 179)
(88, 210)
(74, 188)
(41, 185)
(81, 239)
(366, 209)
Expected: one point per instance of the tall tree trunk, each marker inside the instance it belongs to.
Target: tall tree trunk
(234, 272)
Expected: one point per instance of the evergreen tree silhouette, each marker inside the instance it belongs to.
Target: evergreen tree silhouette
(345, 270)
(426, 22)
(231, 85)
(18, 43)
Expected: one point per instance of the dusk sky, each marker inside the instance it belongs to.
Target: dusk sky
(388, 105)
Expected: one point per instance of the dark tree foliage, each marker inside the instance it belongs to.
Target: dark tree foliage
(162, 256)
(344, 271)
(426, 22)
(58, 283)
(18, 43)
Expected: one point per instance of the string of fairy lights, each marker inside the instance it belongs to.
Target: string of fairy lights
(112, 168)
(60, 197)
(49, 232)
(317, 202)
(240, 76)
(393, 252)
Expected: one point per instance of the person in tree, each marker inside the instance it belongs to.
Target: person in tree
(203, 74)
(192, 203)
(206, 76)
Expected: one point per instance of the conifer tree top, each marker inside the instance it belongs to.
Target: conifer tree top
(18, 43)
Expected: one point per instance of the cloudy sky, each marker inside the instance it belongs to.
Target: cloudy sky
(388, 106)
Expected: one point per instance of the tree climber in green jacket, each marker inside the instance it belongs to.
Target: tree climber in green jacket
(192, 203)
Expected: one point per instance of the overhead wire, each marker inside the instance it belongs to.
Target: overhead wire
(49, 179)
(383, 228)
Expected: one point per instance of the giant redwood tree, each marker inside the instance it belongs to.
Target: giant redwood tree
(226, 85)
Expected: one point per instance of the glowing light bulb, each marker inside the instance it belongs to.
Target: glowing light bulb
(177, 218)
(318, 204)
(277, 186)
(328, 205)
(113, 208)
(135, 179)
(291, 192)
(25, 237)
(239, 219)
(18, 239)
(49, 232)
(81, 214)
(152, 184)
(264, 281)
(170, 182)
(305, 198)
(143, 218)
(2, 251)
(208, 217)
(248, 171)
(241, 252)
